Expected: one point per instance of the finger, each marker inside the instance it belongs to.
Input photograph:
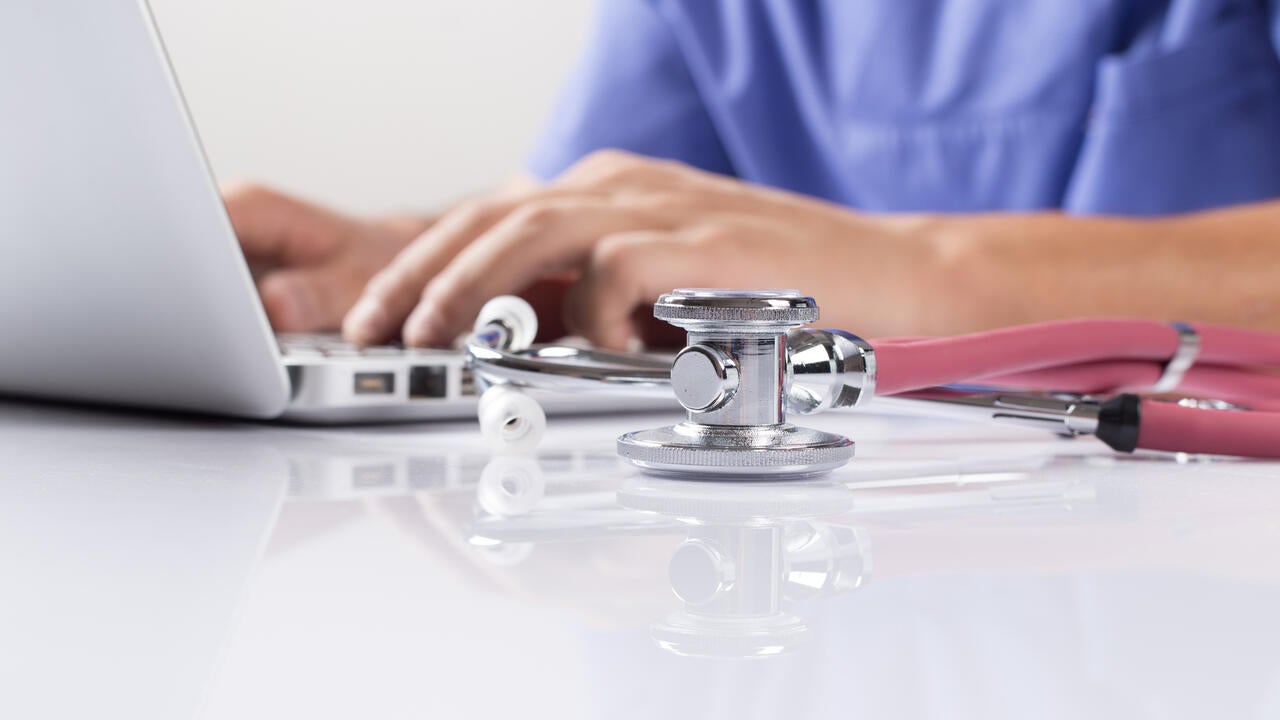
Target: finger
(392, 292)
(538, 240)
(395, 291)
(309, 299)
(279, 229)
(626, 273)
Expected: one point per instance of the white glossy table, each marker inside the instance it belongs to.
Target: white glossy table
(163, 567)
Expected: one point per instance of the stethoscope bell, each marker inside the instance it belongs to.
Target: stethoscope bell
(732, 378)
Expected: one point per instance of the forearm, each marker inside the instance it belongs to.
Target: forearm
(996, 270)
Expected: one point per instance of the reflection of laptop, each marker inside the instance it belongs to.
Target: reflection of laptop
(120, 279)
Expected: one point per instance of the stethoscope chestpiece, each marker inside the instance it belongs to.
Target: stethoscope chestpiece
(732, 379)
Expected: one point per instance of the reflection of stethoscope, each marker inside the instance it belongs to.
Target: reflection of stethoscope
(747, 363)
(745, 556)
(751, 553)
(748, 551)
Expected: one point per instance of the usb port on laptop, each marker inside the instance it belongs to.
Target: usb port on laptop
(381, 383)
(428, 381)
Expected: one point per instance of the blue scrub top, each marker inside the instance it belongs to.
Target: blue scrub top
(1093, 106)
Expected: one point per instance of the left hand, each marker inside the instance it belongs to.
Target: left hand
(625, 229)
(310, 263)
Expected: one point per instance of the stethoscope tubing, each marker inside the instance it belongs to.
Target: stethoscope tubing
(1114, 356)
(911, 364)
(1238, 386)
(1174, 428)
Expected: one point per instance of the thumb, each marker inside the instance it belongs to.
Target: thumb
(277, 229)
(304, 299)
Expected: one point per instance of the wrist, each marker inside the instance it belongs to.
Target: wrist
(918, 275)
(991, 270)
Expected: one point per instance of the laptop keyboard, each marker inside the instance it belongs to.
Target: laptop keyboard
(298, 346)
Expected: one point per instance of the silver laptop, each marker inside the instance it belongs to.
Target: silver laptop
(121, 281)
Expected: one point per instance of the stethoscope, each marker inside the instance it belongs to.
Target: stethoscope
(747, 362)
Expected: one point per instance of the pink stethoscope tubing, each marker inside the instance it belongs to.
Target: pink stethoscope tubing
(1111, 356)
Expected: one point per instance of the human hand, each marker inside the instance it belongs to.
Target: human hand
(625, 229)
(310, 263)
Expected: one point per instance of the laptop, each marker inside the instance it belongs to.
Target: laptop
(121, 281)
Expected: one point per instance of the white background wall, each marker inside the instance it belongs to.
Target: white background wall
(371, 105)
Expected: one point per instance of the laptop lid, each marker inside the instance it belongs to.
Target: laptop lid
(121, 280)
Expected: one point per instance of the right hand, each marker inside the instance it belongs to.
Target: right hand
(310, 263)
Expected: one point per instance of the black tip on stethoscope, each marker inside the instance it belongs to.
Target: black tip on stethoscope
(1118, 421)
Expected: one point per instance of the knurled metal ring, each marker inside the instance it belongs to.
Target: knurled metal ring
(786, 452)
(764, 307)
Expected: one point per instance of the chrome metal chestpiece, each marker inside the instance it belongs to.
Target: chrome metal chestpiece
(743, 367)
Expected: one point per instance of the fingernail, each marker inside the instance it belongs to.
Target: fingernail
(633, 344)
(423, 328)
(366, 322)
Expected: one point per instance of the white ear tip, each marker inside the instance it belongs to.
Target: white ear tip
(511, 421)
(516, 314)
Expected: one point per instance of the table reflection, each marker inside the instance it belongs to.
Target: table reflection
(748, 554)
(978, 578)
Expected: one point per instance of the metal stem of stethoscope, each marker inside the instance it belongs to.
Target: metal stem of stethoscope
(500, 352)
